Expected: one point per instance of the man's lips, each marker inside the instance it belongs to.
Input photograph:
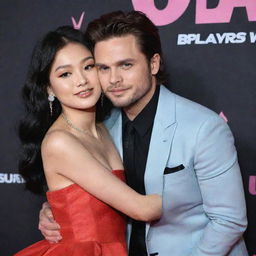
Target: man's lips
(117, 91)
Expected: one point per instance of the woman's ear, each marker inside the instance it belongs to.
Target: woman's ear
(49, 91)
(155, 63)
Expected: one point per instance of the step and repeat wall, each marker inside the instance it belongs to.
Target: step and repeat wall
(210, 54)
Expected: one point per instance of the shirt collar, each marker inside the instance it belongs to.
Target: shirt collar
(144, 120)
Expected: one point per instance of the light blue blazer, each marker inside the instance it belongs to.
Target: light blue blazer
(192, 164)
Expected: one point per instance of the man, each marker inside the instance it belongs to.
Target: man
(170, 146)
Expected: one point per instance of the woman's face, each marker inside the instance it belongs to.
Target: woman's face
(73, 78)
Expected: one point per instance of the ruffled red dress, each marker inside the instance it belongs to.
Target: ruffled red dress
(89, 227)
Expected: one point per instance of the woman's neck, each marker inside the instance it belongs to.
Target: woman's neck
(81, 120)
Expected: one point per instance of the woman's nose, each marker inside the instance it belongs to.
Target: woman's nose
(81, 80)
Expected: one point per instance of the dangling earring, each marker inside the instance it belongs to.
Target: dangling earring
(51, 99)
(102, 99)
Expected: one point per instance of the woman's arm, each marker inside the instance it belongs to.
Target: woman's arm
(66, 156)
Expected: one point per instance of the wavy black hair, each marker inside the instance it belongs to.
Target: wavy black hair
(37, 119)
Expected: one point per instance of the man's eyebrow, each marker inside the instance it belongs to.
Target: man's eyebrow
(100, 64)
(68, 65)
(125, 61)
(120, 62)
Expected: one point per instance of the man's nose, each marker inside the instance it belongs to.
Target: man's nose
(115, 76)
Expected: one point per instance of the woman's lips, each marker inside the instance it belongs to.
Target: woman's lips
(84, 93)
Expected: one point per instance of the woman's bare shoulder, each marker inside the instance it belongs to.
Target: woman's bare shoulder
(59, 140)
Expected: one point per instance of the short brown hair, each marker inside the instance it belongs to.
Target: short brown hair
(119, 23)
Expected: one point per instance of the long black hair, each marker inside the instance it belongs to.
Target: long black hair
(38, 119)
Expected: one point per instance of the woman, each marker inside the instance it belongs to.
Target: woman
(66, 150)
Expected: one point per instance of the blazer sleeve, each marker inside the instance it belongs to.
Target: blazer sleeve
(221, 187)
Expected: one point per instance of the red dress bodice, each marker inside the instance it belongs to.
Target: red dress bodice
(89, 227)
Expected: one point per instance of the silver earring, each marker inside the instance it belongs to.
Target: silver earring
(51, 99)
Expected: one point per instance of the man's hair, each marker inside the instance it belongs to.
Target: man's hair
(119, 23)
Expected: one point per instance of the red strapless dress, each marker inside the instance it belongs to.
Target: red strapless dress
(89, 227)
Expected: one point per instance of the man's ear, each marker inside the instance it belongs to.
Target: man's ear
(155, 63)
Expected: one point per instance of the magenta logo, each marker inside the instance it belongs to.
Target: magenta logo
(252, 186)
(175, 9)
(77, 25)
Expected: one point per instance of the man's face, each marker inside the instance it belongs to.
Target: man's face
(126, 76)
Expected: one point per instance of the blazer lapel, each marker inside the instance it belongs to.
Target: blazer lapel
(160, 144)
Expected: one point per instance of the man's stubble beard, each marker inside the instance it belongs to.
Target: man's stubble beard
(133, 100)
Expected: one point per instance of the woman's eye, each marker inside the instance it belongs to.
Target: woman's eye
(88, 67)
(66, 74)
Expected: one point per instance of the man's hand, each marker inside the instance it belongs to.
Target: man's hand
(47, 225)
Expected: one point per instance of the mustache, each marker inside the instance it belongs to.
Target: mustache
(114, 87)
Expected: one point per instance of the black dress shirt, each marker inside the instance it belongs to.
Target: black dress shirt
(136, 140)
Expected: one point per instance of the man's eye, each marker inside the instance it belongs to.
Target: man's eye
(126, 65)
(66, 74)
(88, 67)
(103, 68)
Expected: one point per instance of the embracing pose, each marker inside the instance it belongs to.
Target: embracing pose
(170, 146)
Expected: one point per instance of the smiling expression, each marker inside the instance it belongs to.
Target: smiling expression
(73, 78)
(126, 76)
